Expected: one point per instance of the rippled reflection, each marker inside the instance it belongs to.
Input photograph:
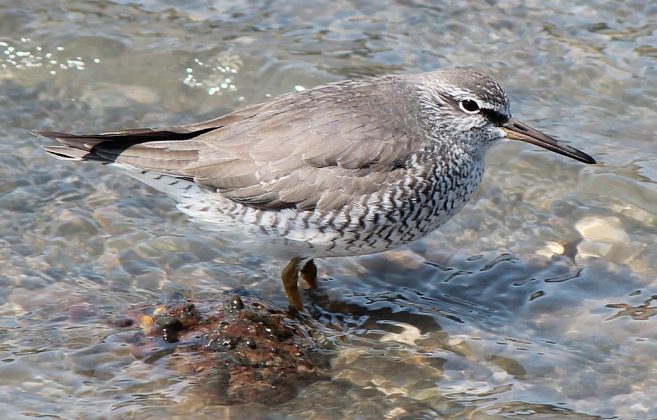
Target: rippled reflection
(536, 301)
(640, 312)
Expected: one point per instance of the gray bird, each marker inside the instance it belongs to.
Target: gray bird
(349, 168)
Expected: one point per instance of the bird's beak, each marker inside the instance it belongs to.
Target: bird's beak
(515, 130)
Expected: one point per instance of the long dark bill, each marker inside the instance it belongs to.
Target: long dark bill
(515, 130)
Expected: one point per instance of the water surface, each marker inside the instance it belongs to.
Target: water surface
(537, 300)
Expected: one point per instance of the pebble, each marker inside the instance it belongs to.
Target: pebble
(409, 335)
(551, 249)
(404, 258)
(603, 229)
(501, 377)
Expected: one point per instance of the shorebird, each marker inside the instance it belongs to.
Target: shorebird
(348, 168)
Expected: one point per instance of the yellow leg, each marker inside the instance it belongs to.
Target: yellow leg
(290, 278)
(309, 274)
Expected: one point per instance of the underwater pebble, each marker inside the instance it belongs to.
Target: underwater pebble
(386, 387)
(396, 412)
(594, 249)
(551, 249)
(409, 336)
(501, 377)
(603, 229)
(605, 237)
(404, 258)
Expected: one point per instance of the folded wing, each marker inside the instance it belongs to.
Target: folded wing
(318, 148)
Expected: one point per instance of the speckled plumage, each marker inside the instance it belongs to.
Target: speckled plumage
(348, 168)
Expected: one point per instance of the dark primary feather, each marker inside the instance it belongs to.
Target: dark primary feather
(318, 148)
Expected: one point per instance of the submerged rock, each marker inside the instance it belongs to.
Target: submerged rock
(241, 350)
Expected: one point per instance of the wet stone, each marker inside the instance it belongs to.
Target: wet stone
(236, 303)
(170, 327)
(241, 350)
(603, 229)
(124, 322)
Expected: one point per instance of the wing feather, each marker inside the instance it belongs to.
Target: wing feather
(319, 148)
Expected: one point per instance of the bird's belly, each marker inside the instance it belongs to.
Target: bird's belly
(371, 229)
(375, 224)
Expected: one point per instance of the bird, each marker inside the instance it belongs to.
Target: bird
(348, 168)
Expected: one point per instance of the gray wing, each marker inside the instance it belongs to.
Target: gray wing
(314, 149)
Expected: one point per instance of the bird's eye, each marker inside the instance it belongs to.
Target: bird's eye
(469, 106)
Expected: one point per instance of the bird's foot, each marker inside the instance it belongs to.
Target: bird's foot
(290, 277)
(309, 274)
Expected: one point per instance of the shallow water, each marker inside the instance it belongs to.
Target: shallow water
(535, 301)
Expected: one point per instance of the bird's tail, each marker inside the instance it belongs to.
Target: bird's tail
(73, 147)
(85, 146)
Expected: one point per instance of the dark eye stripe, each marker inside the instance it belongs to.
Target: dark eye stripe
(496, 117)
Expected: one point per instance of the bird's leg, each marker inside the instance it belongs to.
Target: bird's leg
(309, 274)
(290, 278)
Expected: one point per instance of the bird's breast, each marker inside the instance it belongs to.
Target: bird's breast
(420, 201)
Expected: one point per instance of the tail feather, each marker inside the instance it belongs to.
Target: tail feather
(68, 153)
(82, 146)
(110, 145)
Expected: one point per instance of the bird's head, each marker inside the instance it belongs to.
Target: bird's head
(475, 110)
